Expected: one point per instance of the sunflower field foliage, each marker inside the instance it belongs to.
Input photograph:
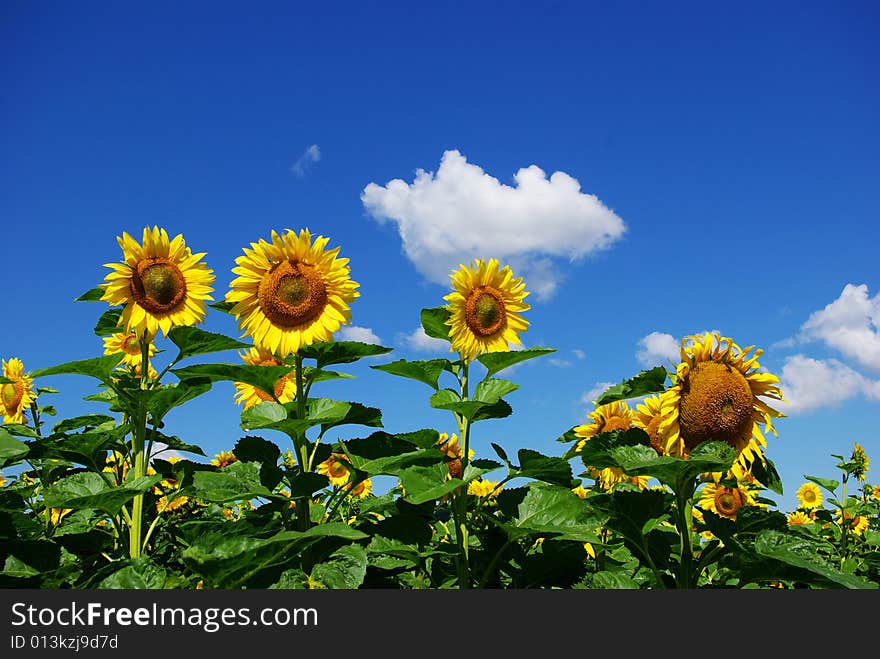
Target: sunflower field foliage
(668, 483)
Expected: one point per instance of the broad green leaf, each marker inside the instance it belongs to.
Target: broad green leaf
(423, 484)
(492, 390)
(256, 449)
(262, 377)
(501, 453)
(306, 483)
(20, 430)
(630, 512)
(607, 580)
(89, 448)
(88, 490)
(381, 453)
(5, 380)
(91, 295)
(194, 341)
(434, 322)
(85, 421)
(475, 410)
(240, 481)
(292, 579)
(325, 412)
(825, 483)
(552, 509)
(222, 306)
(139, 574)
(311, 374)
(263, 415)
(11, 449)
(799, 552)
(765, 471)
(645, 382)
(346, 568)
(176, 444)
(162, 400)
(108, 323)
(543, 468)
(340, 352)
(99, 368)
(424, 438)
(498, 361)
(427, 371)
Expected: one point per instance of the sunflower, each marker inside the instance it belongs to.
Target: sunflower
(291, 292)
(2, 480)
(581, 491)
(484, 489)
(161, 283)
(224, 459)
(15, 397)
(876, 492)
(152, 373)
(164, 505)
(57, 514)
(485, 307)
(128, 344)
(606, 418)
(857, 524)
(809, 495)
(648, 416)
(362, 490)
(723, 500)
(860, 462)
(697, 515)
(716, 397)
(248, 395)
(334, 469)
(799, 518)
(451, 448)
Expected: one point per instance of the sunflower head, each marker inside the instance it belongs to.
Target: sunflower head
(717, 396)
(484, 489)
(362, 490)
(129, 344)
(485, 309)
(606, 418)
(291, 292)
(160, 283)
(335, 469)
(648, 416)
(224, 459)
(799, 518)
(166, 505)
(248, 395)
(724, 500)
(860, 462)
(16, 396)
(809, 496)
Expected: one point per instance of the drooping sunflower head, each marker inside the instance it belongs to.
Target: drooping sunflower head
(809, 496)
(224, 459)
(248, 395)
(129, 344)
(856, 524)
(291, 292)
(160, 282)
(648, 416)
(860, 461)
(451, 448)
(15, 396)
(335, 469)
(485, 309)
(724, 500)
(362, 490)
(717, 396)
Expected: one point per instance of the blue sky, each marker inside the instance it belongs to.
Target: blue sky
(718, 169)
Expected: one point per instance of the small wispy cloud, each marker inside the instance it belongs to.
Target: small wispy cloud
(304, 163)
(657, 348)
(589, 397)
(360, 334)
(559, 362)
(580, 354)
(420, 342)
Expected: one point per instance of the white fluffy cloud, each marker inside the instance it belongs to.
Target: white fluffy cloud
(809, 383)
(850, 324)
(419, 341)
(362, 334)
(461, 213)
(598, 389)
(301, 167)
(657, 349)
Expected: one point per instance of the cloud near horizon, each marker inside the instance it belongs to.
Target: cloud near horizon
(462, 213)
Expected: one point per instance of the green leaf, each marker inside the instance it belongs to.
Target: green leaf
(543, 468)
(629, 512)
(91, 295)
(194, 341)
(825, 483)
(475, 410)
(645, 382)
(800, 552)
(765, 471)
(346, 568)
(427, 371)
(492, 390)
(262, 377)
(321, 375)
(498, 361)
(381, 453)
(11, 449)
(99, 368)
(108, 323)
(139, 574)
(434, 322)
(307, 483)
(162, 400)
(223, 306)
(88, 490)
(325, 412)
(552, 509)
(607, 580)
(257, 449)
(176, 444)
(240, 481)
(423, 484)
(85, 421)
(340, 352)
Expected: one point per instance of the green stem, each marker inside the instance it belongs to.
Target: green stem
(303, 516)
(35, 412)
(683, 521)
(493, 563)
(139, 433)
(460, 502)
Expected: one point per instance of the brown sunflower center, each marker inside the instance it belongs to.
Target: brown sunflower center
(158, 285)
(279, 389)
(131, 345)
(653, 432)
(484, 311)
(728, 501)
(716, 405)
(11, 395)
(337, 469)
(292, 294)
